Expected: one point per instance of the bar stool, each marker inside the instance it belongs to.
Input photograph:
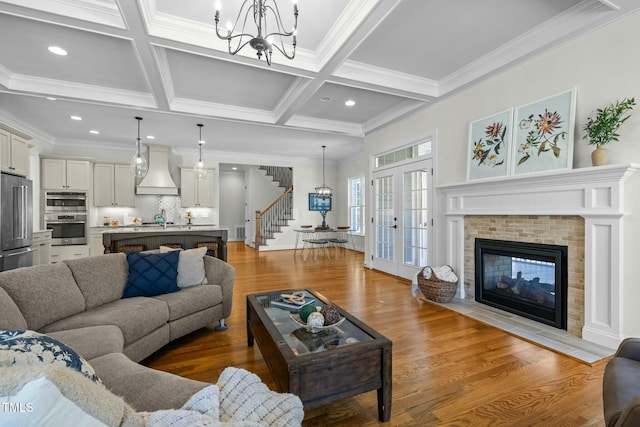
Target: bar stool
(212, 248)
(132, 248)
(172, 245)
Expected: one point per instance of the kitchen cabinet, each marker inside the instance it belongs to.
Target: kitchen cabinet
(113, 185)
(14, 154)
(41, 247)
(196, 192)
(95, 242)
(61, 253)
(63, 174)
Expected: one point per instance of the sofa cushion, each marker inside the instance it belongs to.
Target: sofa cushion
(191, 300)
(22, 348)
(190, 266)
(10, 316)
(151, 274)
(92, 341)
(136, 317)
(44, 294)
(145, 389)
(100, 279)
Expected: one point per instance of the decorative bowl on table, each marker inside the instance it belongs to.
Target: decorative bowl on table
(313, 328)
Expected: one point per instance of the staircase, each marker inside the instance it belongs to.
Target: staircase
(277, 215)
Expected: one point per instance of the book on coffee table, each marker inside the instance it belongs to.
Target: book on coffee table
(285, 304)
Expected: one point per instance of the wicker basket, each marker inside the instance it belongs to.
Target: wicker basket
(435, 289)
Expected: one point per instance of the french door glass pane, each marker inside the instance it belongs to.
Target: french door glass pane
(384, 218)
(414, 215)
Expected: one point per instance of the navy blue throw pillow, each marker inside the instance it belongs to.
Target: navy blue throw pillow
(151, 274)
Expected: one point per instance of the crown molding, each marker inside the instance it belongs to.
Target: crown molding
(96, 11)
(325, 125)
(389, 116)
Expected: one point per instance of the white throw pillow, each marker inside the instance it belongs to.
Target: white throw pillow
(40, 403)
(190, 266)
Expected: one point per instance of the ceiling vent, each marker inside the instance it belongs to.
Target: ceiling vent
(158, 180)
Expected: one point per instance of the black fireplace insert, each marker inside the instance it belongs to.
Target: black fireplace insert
(528, 279)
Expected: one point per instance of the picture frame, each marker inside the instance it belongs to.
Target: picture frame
(543, 133)
(489, 151)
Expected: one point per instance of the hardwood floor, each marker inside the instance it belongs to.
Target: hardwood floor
(447, 369)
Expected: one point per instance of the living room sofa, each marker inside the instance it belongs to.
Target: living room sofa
(621, 386)
(79, 303)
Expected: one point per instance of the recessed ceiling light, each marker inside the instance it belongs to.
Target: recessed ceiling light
(75, 118)
(350, 103)
(57, 50)
(95, 132)
(151, 137)
(325, 99)
(51, 98)
(234, 168)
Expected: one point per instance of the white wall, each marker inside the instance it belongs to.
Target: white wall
(603, 66)
(351, 168)
(232, 199)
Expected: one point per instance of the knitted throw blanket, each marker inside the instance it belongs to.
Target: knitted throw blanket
(239, 399)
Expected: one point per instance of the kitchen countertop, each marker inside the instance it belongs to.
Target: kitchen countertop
(156, 228)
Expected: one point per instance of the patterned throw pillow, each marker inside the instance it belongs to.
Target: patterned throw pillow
(30, 348)
(151, 274)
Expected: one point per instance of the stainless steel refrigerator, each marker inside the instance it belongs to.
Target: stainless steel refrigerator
(16, 217)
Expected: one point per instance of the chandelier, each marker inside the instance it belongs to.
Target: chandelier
(324, 191)
(138, 162)
(266, 17)
(201, 171)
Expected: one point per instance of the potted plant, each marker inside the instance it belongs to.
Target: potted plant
(603, 128)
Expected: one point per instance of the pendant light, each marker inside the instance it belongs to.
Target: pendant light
(324, 191)
(201, 171)
(138, 162)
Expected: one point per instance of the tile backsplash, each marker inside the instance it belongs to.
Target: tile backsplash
(147, 206)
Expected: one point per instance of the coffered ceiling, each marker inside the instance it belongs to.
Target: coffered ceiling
(161, 60)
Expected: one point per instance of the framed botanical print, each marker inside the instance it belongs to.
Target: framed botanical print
(489, 146)
(543, 134)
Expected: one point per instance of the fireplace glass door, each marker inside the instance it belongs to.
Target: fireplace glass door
(523, 278)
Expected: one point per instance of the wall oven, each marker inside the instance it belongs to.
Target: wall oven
(64, 201)
(67, 228)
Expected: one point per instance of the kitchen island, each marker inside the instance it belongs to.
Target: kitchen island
(152, 237)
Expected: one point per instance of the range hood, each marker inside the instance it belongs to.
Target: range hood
(158, 180)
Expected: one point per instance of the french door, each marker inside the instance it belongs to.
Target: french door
(402, 218)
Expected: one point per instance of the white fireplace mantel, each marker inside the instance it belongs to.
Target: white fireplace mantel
(595, 193)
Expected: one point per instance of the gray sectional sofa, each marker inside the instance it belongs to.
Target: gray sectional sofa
(78, 302)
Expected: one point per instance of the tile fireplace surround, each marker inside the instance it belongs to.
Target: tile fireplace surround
(596, 194)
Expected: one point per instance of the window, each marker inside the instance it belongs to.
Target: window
(356, 204)
(407, 153)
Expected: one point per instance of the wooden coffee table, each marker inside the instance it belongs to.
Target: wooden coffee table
(321, 367)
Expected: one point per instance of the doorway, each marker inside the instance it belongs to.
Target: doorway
(402, 219)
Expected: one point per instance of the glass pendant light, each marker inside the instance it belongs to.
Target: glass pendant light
(323, 191)
(138, 162)
(201, 171)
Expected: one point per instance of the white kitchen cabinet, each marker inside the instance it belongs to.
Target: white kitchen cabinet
(113, 185)
(63, 174)
(95, 242)
(41, 247)
(14, 154)
(61, 253)
(196, 192)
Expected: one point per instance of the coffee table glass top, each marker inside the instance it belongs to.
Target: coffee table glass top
(304, 342)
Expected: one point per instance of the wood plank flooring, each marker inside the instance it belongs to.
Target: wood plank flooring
(448, 370)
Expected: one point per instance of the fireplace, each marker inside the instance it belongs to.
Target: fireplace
(528, 279)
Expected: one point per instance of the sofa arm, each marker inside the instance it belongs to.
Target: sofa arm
(222, 274)
(631, 415)
(629, 348)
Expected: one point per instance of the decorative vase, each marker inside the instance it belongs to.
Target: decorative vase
(600, 156)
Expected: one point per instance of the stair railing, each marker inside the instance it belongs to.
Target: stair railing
(269, 220)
